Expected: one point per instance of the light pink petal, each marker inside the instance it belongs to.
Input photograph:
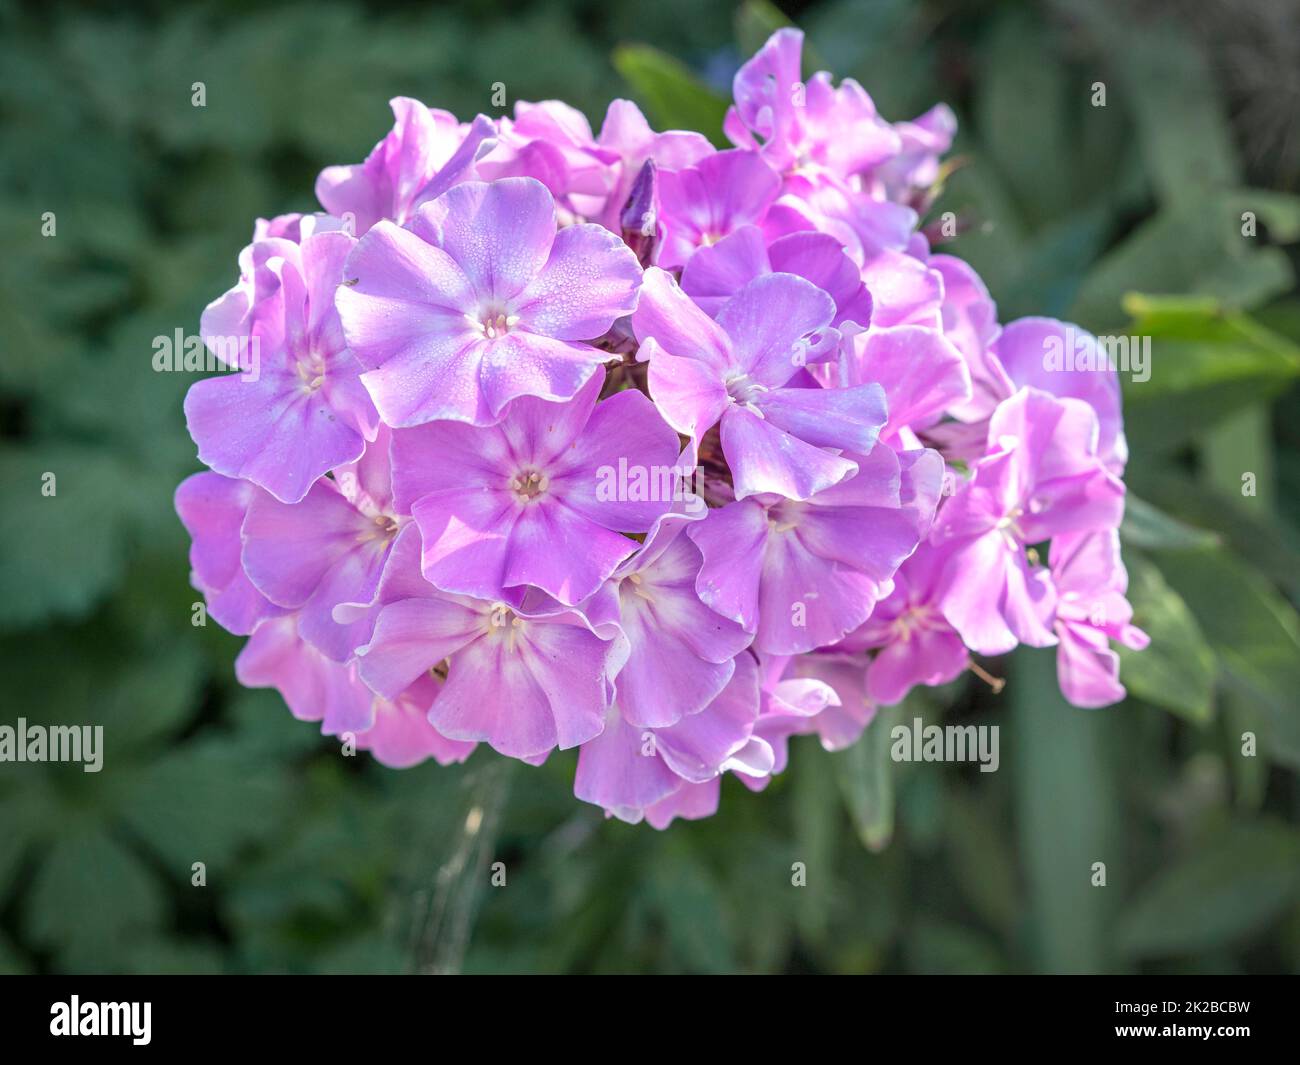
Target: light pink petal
(766, 459)
(467, 538)
(921, 372)
(903, 290)
(664, 679)
(315, 688)
(269, 431)
(402, 736)
(698, 746)
(590, 279)
(690, 802)
(719, 271)
(929, 658)
(562, 552)
(625, 437)
(499, 233)
(732, 540)
(620, 771)
(689, 393)
(529, 364)
(848, 419)
(1087, 668)
(664, 312)
(446, 456)
(410, 638)
(540, 686)
(288, 548)
(773, 323)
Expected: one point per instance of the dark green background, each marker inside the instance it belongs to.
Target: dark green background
(1126, 218)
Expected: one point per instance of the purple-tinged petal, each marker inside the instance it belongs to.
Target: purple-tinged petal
(666, 314)
(688, 392)
(402, 736)
(212, 509)
(411, 637)
(921, 373)
(699, 745)
(314, 687)
(775, 323)
(766, 459)
(499, 233)
(590, 279)
(690, 802)
(529, 364)
(620, 771)
(848, 419)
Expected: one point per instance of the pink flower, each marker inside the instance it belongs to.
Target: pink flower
(717, 272)
(441, 522)
(916, 643)
(633, 771)
(317, 688)
(212, 508)
(327, 550)
(525, 677)
(552, 142)
(737, 371)
(805, 130)
(536, 499)
(680, 654)
(701, 204)
(299, 409)
(1091, 611)
(424, 155)
(480, 301)
(1041, 479)
(804, 574)
(628, 135)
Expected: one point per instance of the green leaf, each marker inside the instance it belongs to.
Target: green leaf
(1177, 670)
(865, 772)
(948, 947)
(692, 910)
(1256, 635)
(1014, 96)
(91, 894)
(1272, 548)
(1147, 526)
(675, 98)
(1279, 211)
(983, 859)
(1068, 816)
(1182, 129)
(63, 552)
(1230, 886)
(1187, 248)
(816, 820)
(201, 803)
(1205, 363)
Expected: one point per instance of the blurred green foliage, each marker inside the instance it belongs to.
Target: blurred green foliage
(1126, 217)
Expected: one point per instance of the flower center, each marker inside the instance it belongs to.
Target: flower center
(912, 620)
(785, 516)
(493, 322)
(743, 389)
(528, 485)
(503, 623)
(637, 588)
(381, 526)
(1009, 529)
(311, 371)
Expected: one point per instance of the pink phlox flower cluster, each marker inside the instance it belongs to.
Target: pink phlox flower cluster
(547, 439)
